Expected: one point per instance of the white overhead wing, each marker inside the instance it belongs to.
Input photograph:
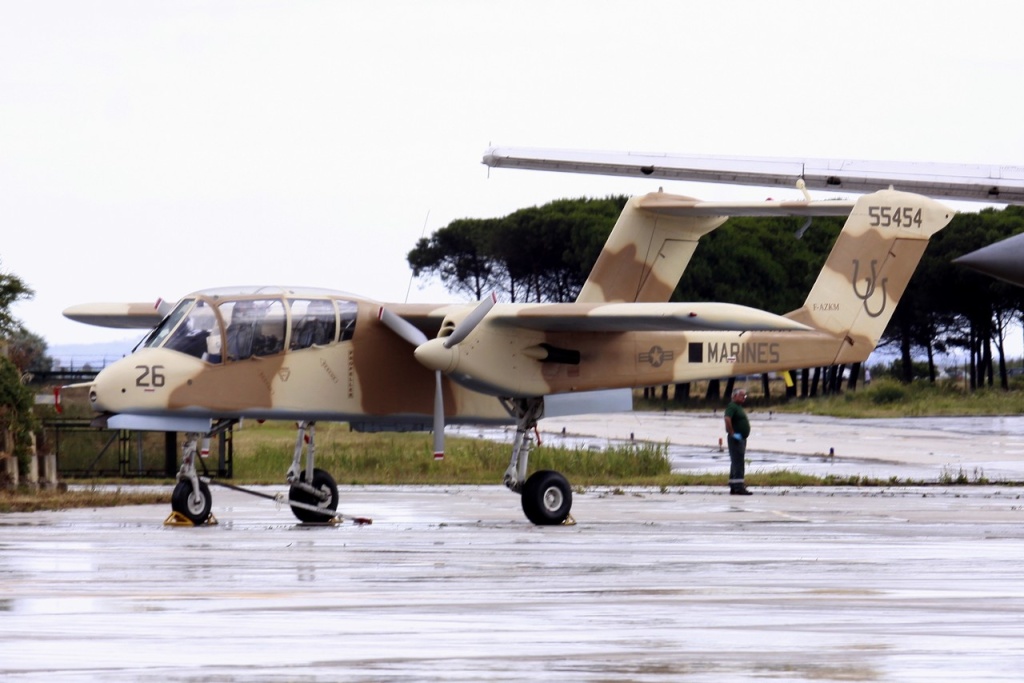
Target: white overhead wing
(973, 182)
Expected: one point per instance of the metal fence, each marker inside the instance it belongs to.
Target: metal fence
(86, 451)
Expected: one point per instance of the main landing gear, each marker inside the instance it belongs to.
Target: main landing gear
(546, 495)
(312, 495)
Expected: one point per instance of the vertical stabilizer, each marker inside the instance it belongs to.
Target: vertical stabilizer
(646, 252)
(869, 268)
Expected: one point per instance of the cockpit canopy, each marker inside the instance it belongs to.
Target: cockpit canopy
(222, 325)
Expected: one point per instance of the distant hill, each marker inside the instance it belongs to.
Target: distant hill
(96, 355)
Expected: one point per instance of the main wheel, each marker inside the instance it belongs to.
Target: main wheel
(547, 498)
(195, 505)
(325, 485)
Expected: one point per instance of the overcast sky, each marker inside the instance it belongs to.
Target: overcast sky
(149, 149)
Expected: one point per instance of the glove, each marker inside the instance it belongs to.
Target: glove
(736, 435)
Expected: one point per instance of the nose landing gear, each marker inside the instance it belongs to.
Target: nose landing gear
(191, 497)
(192, 502)
(546, 495)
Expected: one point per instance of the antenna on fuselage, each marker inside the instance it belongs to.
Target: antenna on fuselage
(411, 276)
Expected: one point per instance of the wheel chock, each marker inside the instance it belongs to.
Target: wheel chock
(569, 521)
(178, 519)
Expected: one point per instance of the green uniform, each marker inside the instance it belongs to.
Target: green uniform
(734, 411)
(737, 447)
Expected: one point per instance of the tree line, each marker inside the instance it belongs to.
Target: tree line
(21, 352)
(544, 254)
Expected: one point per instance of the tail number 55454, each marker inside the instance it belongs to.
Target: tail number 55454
(901, 216)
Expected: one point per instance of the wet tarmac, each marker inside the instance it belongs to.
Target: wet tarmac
(921, 449)
(452, 583)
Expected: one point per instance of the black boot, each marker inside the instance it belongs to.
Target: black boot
(739, 491)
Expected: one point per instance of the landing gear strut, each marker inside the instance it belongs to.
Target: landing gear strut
(546, 495)
(191, 497)
(313, 495)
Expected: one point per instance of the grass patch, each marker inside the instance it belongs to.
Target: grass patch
(262, 453)
(28, 500)
(891, 399)
(884, 397)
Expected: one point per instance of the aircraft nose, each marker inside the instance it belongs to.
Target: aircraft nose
(110, 389)
(99, 390)
(434, 355)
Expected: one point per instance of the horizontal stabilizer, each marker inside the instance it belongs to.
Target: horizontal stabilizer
(130, 316)
(656, 235)
(647, 317)
(672, 205)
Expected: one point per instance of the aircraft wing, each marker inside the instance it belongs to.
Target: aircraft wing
(637, 317)
(120, 315)
(972, 182)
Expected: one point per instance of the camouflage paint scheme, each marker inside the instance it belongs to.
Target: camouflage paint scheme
(645, 254)
(535, 350)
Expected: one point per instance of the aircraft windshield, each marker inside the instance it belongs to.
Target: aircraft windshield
(161, 331)
(197, 333)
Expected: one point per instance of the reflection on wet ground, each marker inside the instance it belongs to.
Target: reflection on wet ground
(451, 583)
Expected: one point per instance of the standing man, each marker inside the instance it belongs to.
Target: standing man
(737, 426)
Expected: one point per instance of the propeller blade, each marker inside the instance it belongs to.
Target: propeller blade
(412, 334)
(468, 323)
(799, 234)
(402, 327)
(438, 418)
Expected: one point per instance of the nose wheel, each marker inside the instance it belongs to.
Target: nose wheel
(191, 502)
